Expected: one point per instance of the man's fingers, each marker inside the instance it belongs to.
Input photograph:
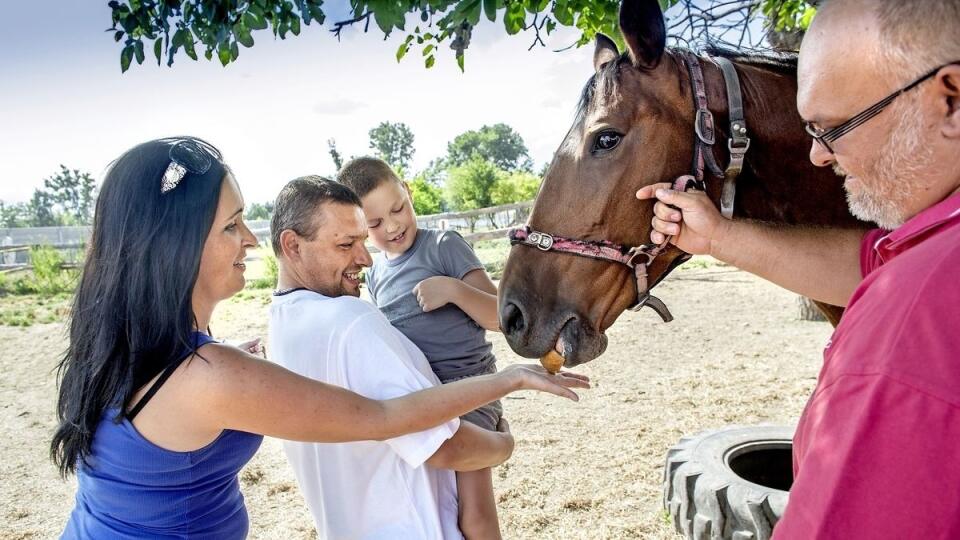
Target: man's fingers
(648, 192)
(665, 227)
(666, 213)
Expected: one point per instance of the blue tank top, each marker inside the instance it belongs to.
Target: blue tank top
(132, 488)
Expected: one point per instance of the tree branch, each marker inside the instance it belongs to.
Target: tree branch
(339, 26)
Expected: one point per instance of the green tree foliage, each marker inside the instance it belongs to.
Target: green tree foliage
(427, 198)
(220, 28)
(41, 211)
(13, 215)
(470, 186)
(436, 172)
(73, 192)
(516, 187)
(66, 198)
(257, 211)
(393, 143)
(270, 272)
(498, 143)
(335, 154)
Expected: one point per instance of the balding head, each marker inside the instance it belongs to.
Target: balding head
(833, 71)
(853, 44)
(858, 52)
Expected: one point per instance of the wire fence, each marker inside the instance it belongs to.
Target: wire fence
(475, 226)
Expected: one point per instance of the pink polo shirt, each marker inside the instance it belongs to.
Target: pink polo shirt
(877, 450)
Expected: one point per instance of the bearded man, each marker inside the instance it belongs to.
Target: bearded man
(875, 452)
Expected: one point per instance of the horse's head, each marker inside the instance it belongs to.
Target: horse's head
(633, 127)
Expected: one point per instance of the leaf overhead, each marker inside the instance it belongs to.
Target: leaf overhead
(220, 28)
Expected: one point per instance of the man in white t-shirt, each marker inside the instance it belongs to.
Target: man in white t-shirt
(396, 489)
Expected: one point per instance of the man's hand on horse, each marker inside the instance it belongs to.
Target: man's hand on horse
(689, 217)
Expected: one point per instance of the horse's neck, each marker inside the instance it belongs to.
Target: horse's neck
(778, 182)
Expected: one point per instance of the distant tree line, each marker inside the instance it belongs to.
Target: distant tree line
(66, 198)
(484, 167)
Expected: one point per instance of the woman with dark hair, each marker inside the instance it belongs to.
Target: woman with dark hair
(156, 418)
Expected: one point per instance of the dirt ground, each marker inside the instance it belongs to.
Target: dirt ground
(736, 354)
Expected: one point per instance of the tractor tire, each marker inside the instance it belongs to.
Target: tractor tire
(729, 484)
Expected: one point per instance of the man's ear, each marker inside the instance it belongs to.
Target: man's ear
(290, 244)
(948, 88)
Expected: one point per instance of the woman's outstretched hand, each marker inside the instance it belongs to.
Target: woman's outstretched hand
(534, 377)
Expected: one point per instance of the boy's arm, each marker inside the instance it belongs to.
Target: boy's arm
(472, 448)
(476, 295)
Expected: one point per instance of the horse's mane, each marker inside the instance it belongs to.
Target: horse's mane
(605, 80)
(785, 62)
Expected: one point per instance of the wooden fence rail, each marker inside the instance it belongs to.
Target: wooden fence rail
(263, 233)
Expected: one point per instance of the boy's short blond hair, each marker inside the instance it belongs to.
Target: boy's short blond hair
(365, 174)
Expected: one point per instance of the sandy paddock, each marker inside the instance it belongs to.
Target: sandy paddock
(736, 353)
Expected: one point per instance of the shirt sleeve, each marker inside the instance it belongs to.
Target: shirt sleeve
(877, 462)
(370, 281)
(456, 256)
(377, 365)
(869, 259)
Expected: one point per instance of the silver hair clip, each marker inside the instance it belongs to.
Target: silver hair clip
(172, 177)
(187, 156)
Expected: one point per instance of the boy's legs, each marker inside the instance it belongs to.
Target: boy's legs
(478, 507)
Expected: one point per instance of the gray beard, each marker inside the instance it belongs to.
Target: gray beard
(889, 183)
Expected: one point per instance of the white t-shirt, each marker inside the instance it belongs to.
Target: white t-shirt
(370, 489)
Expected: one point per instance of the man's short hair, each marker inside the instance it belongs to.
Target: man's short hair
(915, 36)
(298, 205)
(365, 174)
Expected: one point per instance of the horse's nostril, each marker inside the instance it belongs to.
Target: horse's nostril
(512, 319)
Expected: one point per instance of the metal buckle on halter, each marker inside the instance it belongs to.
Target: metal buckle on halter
(636, 252)
(542, 241)
(741, 150)
(698, 126)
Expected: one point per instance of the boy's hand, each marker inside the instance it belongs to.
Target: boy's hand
(435, 292)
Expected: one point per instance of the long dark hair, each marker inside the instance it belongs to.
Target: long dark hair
(132, 312)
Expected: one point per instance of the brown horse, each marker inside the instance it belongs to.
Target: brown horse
(634, 127)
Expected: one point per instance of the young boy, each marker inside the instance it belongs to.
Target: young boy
(431, 286)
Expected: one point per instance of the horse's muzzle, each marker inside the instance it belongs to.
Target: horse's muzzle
(535, 337)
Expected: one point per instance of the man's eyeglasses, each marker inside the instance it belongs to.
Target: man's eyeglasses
(827, 136)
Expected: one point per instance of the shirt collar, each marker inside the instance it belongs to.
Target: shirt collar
(918, 226)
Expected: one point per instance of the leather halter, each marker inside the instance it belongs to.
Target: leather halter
(638, 258)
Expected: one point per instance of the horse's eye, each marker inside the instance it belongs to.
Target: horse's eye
(606, 140)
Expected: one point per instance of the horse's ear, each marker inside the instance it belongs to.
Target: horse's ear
(641, 23)
(604, 51)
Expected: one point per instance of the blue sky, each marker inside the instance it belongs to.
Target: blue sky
(64, 100)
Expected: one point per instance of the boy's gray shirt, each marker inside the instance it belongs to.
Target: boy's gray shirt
(455, 344)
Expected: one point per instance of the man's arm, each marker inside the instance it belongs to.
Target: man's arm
(472, 448)
(823, 264)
